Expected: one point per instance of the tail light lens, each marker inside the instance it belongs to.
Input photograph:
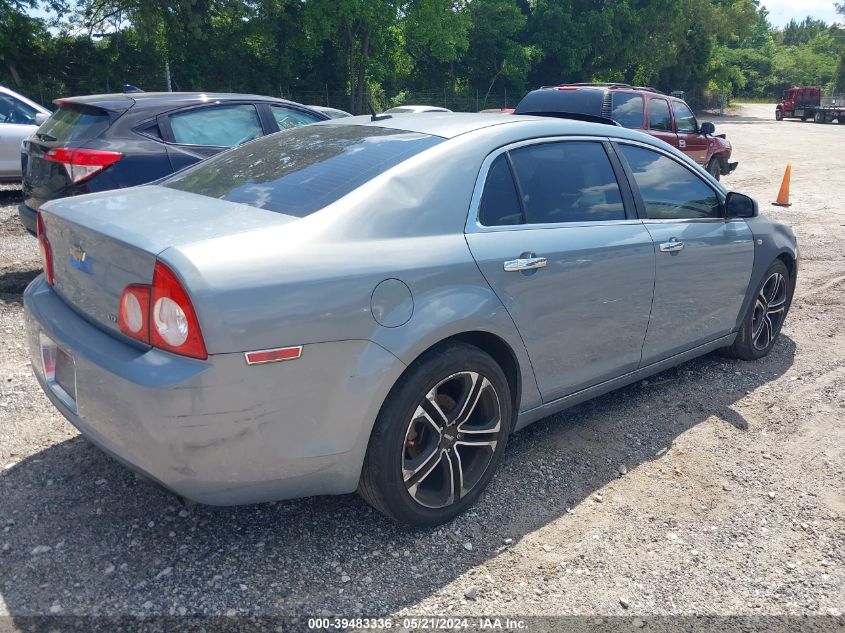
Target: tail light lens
(81, 164)
(46, 249)
(162, 315)
(134, 315)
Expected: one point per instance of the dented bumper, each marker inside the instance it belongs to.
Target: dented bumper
(217, 431)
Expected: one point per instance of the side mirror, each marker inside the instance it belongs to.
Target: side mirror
(738, 205)
(708, 128)
(40, 117)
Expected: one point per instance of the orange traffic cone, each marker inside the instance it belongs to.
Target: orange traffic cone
(783, 194)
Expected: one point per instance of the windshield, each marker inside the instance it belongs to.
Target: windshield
(299, 171)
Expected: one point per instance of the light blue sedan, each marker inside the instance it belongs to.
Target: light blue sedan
(376, 304)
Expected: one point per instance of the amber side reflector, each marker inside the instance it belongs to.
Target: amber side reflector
(273, 355)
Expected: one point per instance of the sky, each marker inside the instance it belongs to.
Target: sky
(782, 11)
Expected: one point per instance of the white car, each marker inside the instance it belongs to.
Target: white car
(19, 118)
(415, 109)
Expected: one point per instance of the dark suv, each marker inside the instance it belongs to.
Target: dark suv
(102, 142)
(668, 118)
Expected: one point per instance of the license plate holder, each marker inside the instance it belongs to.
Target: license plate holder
(59, 370)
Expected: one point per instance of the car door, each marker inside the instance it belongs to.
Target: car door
(17, 122)
(659, 122)
(558, 241)
(197, 133)
(703, 263)
(690, 140)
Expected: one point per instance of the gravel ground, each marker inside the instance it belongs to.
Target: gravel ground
(715, 488)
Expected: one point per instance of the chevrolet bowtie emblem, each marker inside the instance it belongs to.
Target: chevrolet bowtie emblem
(78, 254)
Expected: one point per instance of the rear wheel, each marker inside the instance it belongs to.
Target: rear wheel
(439, 437)
(714, 168)
(841, 120)
(764, 319)
(819, 117)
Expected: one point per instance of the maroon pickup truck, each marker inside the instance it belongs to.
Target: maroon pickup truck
(668, 118)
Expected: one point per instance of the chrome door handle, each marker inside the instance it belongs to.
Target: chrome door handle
(525, 263)
(672, 246)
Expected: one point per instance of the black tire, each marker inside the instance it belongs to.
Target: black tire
(407, 413)
(778, 115)
(819, 117)
(714, 168)
(750, 343)
(840, 120)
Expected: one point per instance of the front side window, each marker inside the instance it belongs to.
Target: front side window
(288, 118)
(627, 110)
(304, 169)
(217, 126)
(567, 182)
(684, 119)
(14, 111)
(669, 190)
(659, 118)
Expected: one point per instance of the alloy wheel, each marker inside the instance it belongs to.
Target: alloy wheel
(451, 439)
(769, 311)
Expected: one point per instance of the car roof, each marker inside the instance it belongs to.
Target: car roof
(122, 101)
(452, 124)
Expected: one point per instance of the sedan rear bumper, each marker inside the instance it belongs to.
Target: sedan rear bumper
(217, 431)
(29, 218)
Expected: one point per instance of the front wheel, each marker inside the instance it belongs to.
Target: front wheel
(764, 319)
(714, 168)
(439, 436)
(778, 115)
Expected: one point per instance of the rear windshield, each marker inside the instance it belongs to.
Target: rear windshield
(74, 122)
(300, 171)
(562, 100)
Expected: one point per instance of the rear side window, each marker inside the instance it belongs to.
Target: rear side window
(74, 122)
(567, 182)
(288, 118)
(669, 190)
(684, 118)
(499, 202)
(218, 126)
(300, 171)
(659, 118)
(627, 110)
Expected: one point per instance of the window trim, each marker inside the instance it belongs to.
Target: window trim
(638, 198)
(474, 225)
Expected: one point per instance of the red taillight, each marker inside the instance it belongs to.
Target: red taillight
(162, 315)
(46, 250)
(81, 164)
(134, 313)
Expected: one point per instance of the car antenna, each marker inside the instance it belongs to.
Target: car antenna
(374, 116)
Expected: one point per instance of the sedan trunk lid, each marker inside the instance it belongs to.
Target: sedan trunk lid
(102, 243)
